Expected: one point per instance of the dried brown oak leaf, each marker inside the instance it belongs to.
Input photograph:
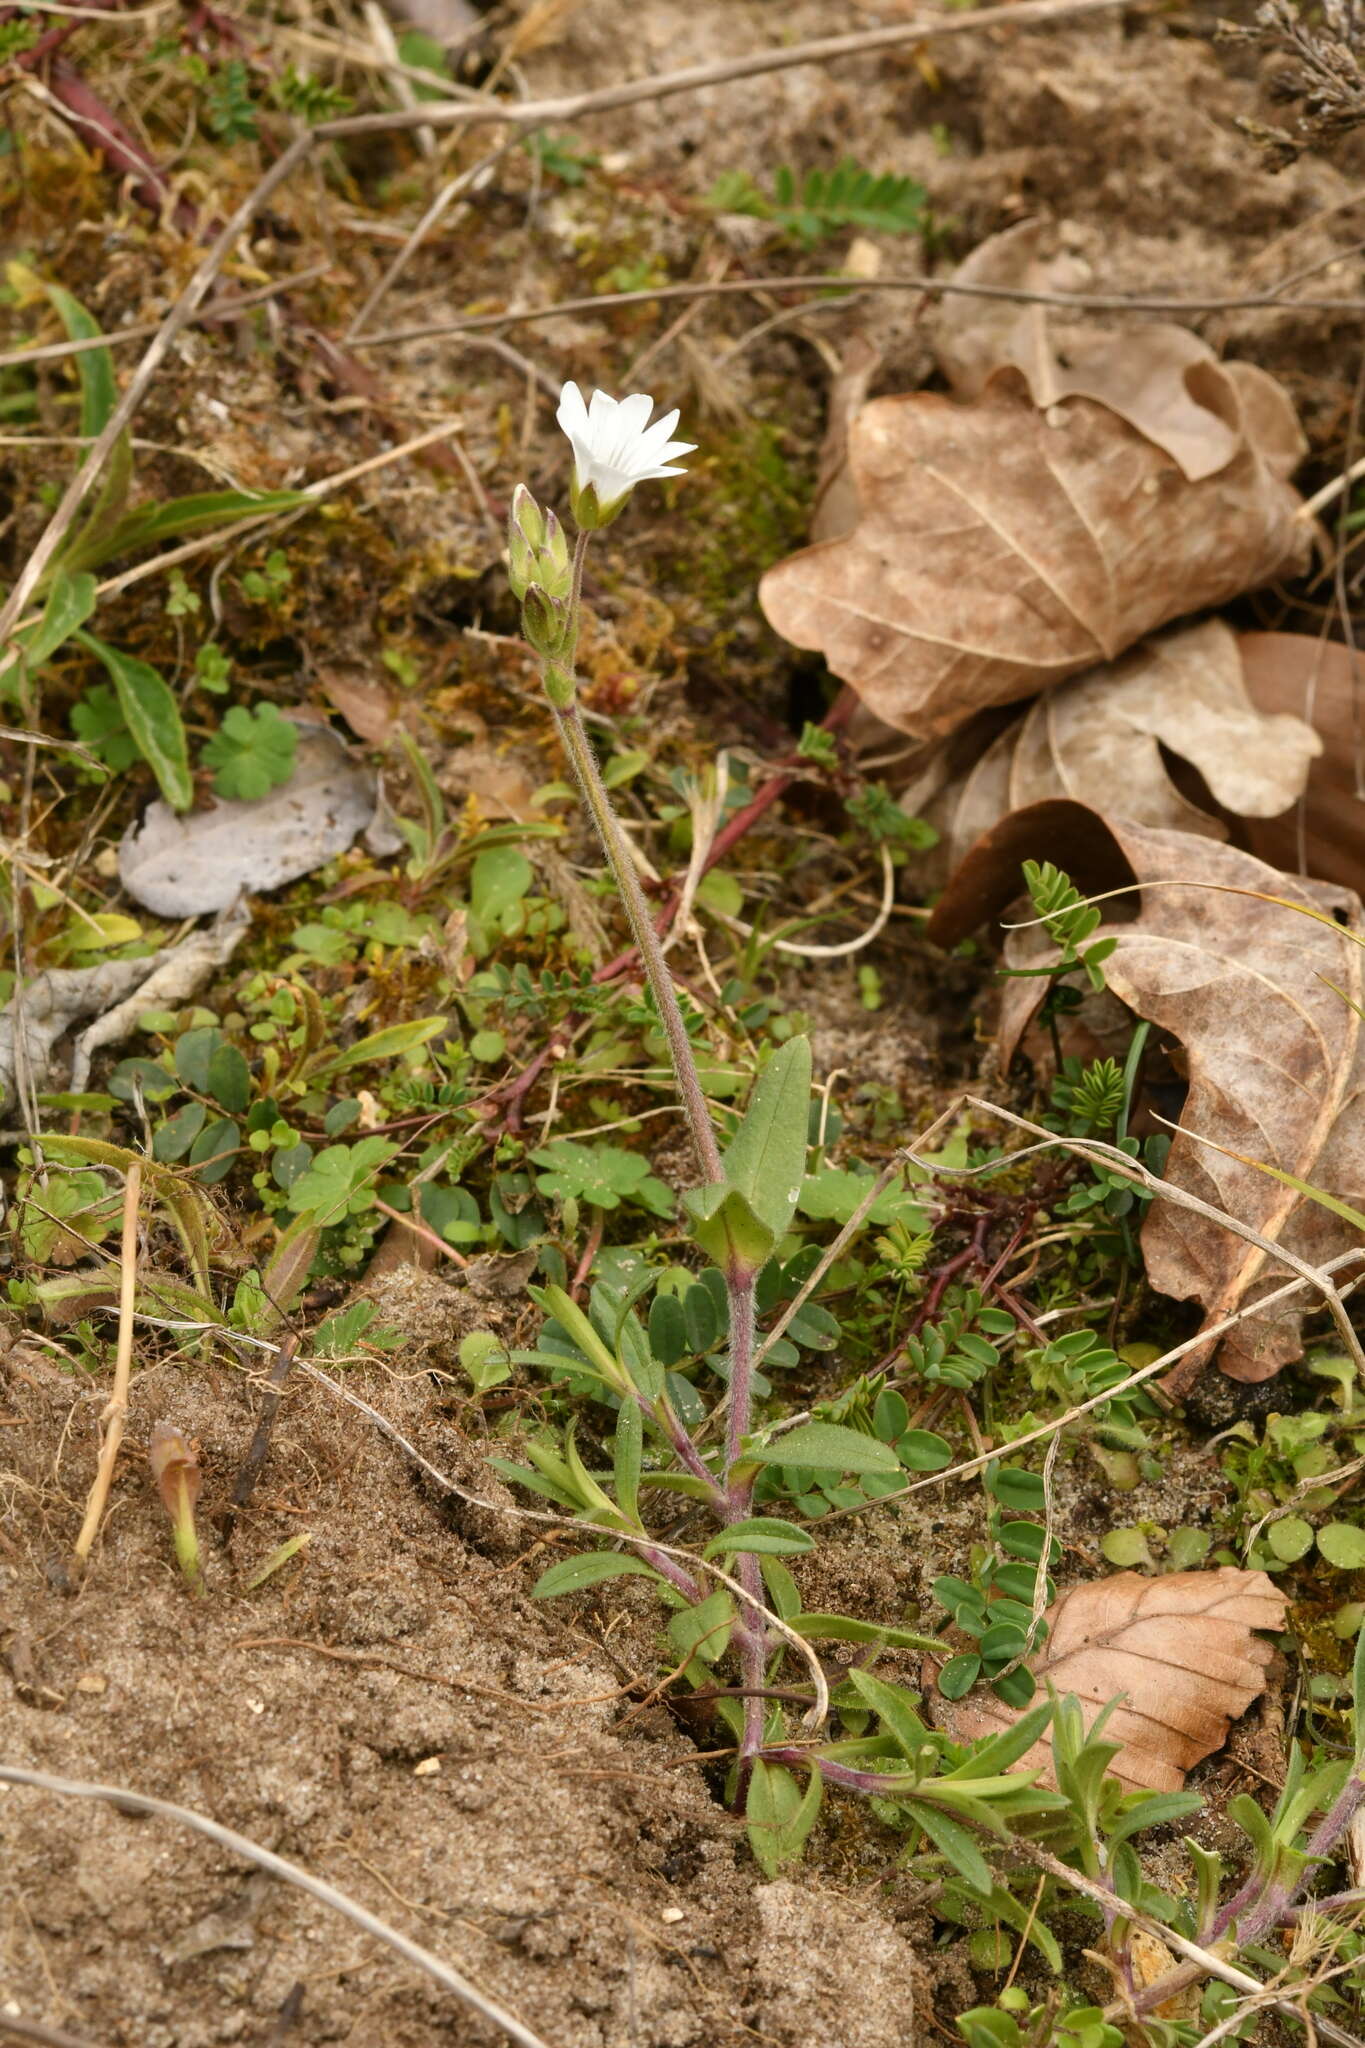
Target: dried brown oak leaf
(1179, 1649)
(1276, 1065)
(1323, 682)
(1163, 379)
(1000, 549)
(1103, 738)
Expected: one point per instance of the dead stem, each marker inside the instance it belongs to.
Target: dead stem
(443, 1973)
(116, 1411)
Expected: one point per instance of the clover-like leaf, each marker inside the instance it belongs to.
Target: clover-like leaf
(252, 751)
(603, 1175)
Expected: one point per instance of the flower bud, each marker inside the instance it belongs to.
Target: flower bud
(545, 620)
(527, 517)
(554, 570)
(525, 538)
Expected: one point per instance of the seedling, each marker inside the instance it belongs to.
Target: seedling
(175, 1468)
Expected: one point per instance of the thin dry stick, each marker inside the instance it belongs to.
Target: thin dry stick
(1320, 500)
(842, 950)
(444, 199)
(1211, 1965)
(1119, 1162)
(853, 287)
(217, 309)
(443, 1973)
(116, 1411)
(1135, 1379)
(11, 2023)
(726, 70)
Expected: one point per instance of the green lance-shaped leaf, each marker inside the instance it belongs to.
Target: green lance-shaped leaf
(780, 1815)
(764, 1535)
(896, 1708)
(387, 1044)
(70, 601)
(767, 1160)
(726, 1228)
(577, 1574)
(178, 516)
(738, 1221)
(577, 1328)
(94, 366)
(826, 1447)
(152, 717)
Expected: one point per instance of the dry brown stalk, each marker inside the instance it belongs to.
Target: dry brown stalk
(753, 64)
(443, 1973)
(217, 309)
(116, 1410)
(932, 287)
(12, 2023)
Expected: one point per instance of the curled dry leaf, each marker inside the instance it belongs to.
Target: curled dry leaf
(1000, 549)
(1160, 378)
(1253, 990)
(1181, 1651)
(368, 706)
(183, 866)
(1323, 682)
(114, 992)
(1100, 738)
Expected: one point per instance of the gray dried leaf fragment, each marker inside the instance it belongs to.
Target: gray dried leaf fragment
(184, 866)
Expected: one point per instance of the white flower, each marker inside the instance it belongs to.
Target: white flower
(615, 448)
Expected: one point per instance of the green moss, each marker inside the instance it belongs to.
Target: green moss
(748, 505)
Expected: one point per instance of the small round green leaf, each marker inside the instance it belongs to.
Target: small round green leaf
(959, 1675)
(1343, 1545)
(1291, 1538)
(919, 1450)
(1126, 1547)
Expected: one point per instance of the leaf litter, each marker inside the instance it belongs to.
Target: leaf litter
(1252, 990)
(1003, 546)
(1104, 739)
(1180, 1654)
(183, 866)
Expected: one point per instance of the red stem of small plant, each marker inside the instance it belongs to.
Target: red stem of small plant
(590, 1250)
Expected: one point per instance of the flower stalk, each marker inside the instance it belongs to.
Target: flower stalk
(615, 448)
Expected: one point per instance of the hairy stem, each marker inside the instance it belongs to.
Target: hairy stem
(750, 1635)
(589, 777)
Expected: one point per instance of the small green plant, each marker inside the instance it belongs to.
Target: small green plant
(309, 99)
(148, 722)
(252, 752)
(229, 109)
(561, 156)
(825, 203)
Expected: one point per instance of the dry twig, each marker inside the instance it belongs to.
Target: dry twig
(444, 1974)
(116, 1410)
